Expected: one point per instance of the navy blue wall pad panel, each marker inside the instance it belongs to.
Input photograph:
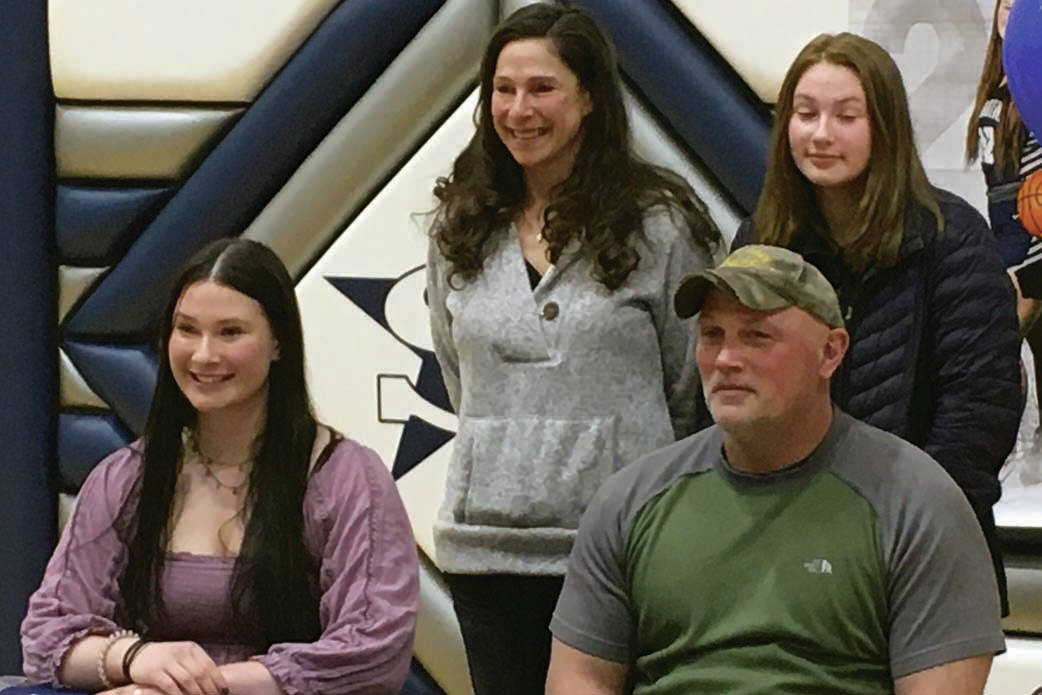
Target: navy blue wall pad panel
(688, 84)
(124, 376)
(94, 225)
(83, 440)
(28, 364)
(320, 83)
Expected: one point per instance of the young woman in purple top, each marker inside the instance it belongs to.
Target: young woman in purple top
(239, 546)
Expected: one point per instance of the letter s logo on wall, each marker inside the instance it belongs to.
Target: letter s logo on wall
(415, 400)
(371, 366)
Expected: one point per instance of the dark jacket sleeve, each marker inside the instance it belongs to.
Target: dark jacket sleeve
(976, 349)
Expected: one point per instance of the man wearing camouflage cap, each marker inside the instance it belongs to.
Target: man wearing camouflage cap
(788, 548)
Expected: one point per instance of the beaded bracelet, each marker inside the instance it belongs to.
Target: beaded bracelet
(129, 655)
(103, 654)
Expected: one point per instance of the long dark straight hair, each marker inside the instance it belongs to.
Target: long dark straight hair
(603, 201)
(274, 589)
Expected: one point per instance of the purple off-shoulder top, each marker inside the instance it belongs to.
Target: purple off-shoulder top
(354, 525)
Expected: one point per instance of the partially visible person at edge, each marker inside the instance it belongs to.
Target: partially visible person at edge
(787, 549)
(934, 351)
(553, 255)
(1008, 154)
(239, 546)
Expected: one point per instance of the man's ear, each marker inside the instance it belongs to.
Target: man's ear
(836, 344)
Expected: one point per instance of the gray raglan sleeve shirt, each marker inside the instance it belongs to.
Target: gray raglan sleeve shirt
(940, 594)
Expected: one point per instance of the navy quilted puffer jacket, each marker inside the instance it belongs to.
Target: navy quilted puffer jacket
(934, 353)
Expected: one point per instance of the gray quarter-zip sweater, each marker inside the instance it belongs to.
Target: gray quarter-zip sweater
(556, 388)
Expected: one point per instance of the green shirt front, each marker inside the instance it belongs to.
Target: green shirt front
(860, 565)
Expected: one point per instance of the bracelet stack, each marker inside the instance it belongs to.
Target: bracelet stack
(103, 654)
(128, 657)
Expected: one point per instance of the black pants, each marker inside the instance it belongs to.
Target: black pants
(505, 620)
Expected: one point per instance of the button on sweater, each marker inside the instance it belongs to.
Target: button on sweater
(551, 401)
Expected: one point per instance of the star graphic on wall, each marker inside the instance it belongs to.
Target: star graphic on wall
(420, 438)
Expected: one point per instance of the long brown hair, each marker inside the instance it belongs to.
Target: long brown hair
(895, 181)
(603, 201)
(1009, 134)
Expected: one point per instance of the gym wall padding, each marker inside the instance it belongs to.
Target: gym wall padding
(94, 225)
(241, 174)
(186, 51)
(73, 390)
(703, 99)
(759, 38)
(391, 120)
(73, 283)
(27, 300)
(135, 142)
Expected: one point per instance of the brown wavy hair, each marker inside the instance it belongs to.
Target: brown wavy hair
(895, 181)
(1010, 133)
(603, 201)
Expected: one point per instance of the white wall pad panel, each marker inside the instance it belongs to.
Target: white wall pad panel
(1019, 670)
(508, 7)
(760, 38)
(1024, 579)
(655, 145)
(73, 389)
(73, 282)
(134, 142)
(439, 645)
(191, 50)
(66, 506)
(419, 87)
(357, 366)
(351, 357)
(421, 489)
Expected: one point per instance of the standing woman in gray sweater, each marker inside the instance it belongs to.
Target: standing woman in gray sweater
(553, 259)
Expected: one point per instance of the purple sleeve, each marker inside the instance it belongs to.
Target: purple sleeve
(368, 577)
(79, 590)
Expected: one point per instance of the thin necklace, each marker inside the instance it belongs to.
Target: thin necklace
(208, 464)
(536, 221)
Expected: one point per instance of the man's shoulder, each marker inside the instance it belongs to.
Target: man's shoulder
(886, 470)
(631, 488)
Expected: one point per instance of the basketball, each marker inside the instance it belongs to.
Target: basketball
(1029, 203)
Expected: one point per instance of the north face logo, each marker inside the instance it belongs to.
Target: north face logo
(818, 566)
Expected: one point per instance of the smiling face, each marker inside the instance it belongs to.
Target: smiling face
(537, 107)
(221, 348)
(763, 368)
(830, 132)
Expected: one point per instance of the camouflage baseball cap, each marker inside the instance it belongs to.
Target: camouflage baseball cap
(765, 278)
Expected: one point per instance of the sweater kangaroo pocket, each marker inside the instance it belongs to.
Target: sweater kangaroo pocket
(532, 471)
